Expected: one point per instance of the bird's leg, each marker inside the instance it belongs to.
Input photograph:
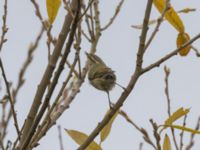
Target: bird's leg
(109, 101)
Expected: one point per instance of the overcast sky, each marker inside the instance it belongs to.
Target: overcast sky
(117, 47)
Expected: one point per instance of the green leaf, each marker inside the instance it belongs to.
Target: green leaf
(106, 130)
(80, 138)
(167, 144)
(52, 9)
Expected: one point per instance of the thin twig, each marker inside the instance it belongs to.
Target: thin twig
(60, 138)
(171, 54)
(86, 36)
(93, 18)
(91, 32)
(10, 99)
(117, 10)
(182, 133)
(45, 24)
(128, 119)
(27, 62)
(49, 40)
(159, 21)
(32, 48)
(68, 8)
(141, 146)
(3, 124)
(167, 73)
(4, 27)
(86, 9)
(74, 70)
(141, 130)
(196, 51)
(191, 143)
(37, 12)
(77, 47)
(156, 134)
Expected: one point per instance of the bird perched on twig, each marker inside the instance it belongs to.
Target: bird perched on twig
(100, 75)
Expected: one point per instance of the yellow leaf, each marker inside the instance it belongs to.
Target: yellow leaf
(182, 39)
(80, 138)
(167, 144)
(106, 130)
(186, 10)
(52, 9)
(184, 129)
(151, 22)
(176, 115)
(171, 15)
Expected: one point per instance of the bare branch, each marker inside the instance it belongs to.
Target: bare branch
(47, 121)
(168, 56)
(167, 73)
(74, 88)
(156, 134)
(86, 9)
(191, 143)
(182, 133)
(55, 79)
(117, 10)
(10, 99)
(141, 130)
(47, 75)
(21, 79)
(196, 51)
(68, 8)
(159, 21)
(86, 36)
(4, 27)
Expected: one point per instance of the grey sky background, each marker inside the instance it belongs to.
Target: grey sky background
(117, 47)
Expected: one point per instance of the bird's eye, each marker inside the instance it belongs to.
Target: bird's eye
(109, 76)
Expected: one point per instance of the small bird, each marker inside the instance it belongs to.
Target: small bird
(100, 75)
